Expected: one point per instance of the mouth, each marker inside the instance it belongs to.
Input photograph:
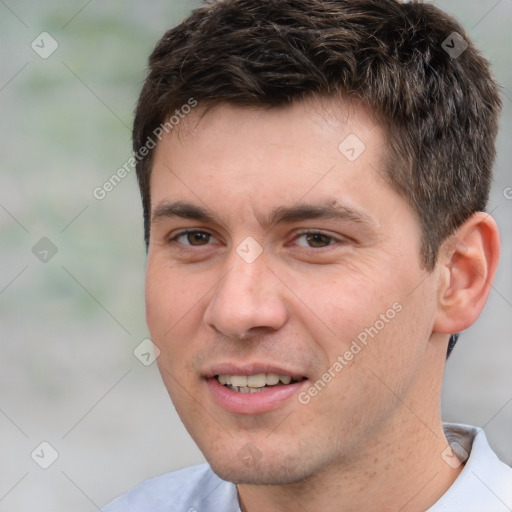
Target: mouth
(255, 383)
(253, 389)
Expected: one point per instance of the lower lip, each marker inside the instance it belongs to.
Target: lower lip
(252, 403)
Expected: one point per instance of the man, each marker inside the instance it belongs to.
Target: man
(314, 176)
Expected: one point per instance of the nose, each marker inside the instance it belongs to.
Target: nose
(248, 300)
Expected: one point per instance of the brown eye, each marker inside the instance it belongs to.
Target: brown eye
(198, 238)
(317, 240)
(193, 238)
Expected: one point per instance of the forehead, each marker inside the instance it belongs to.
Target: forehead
(319, 119)
(257, 159)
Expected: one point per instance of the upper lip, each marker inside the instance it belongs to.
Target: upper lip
(250, 369)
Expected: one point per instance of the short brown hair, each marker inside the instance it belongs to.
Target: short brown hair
(439, 109)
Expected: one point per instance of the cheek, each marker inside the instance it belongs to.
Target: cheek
(368, 315)
(171, 303)
(159, 299)
(170, 320)
(344, 301)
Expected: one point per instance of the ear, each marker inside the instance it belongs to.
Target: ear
(467, 266)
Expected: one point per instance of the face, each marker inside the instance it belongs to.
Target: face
(278, 251)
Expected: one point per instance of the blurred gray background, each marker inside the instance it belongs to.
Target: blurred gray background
(70, 321)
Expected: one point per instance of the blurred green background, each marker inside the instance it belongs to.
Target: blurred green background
(69, 325)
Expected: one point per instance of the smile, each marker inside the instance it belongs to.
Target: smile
(255, 383)
(254, 394)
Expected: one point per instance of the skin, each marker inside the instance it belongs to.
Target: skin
(371, 439)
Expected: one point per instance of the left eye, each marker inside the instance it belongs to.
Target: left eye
(314, 240)
(193, 238)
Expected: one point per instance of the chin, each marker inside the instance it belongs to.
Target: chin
(272, 471)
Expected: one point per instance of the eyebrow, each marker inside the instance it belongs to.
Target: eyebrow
(333, 210)
(183, 210)
(281, 215)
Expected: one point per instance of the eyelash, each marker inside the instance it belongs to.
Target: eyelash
(188, 232)
(333, 239)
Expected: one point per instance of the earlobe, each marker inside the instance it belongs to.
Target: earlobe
(468, 265)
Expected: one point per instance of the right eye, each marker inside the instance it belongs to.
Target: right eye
(192, 238)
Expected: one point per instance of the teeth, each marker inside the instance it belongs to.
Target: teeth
(254, 382)
(245, 389)
(272, 379)
(239, 381)
(257, 381)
